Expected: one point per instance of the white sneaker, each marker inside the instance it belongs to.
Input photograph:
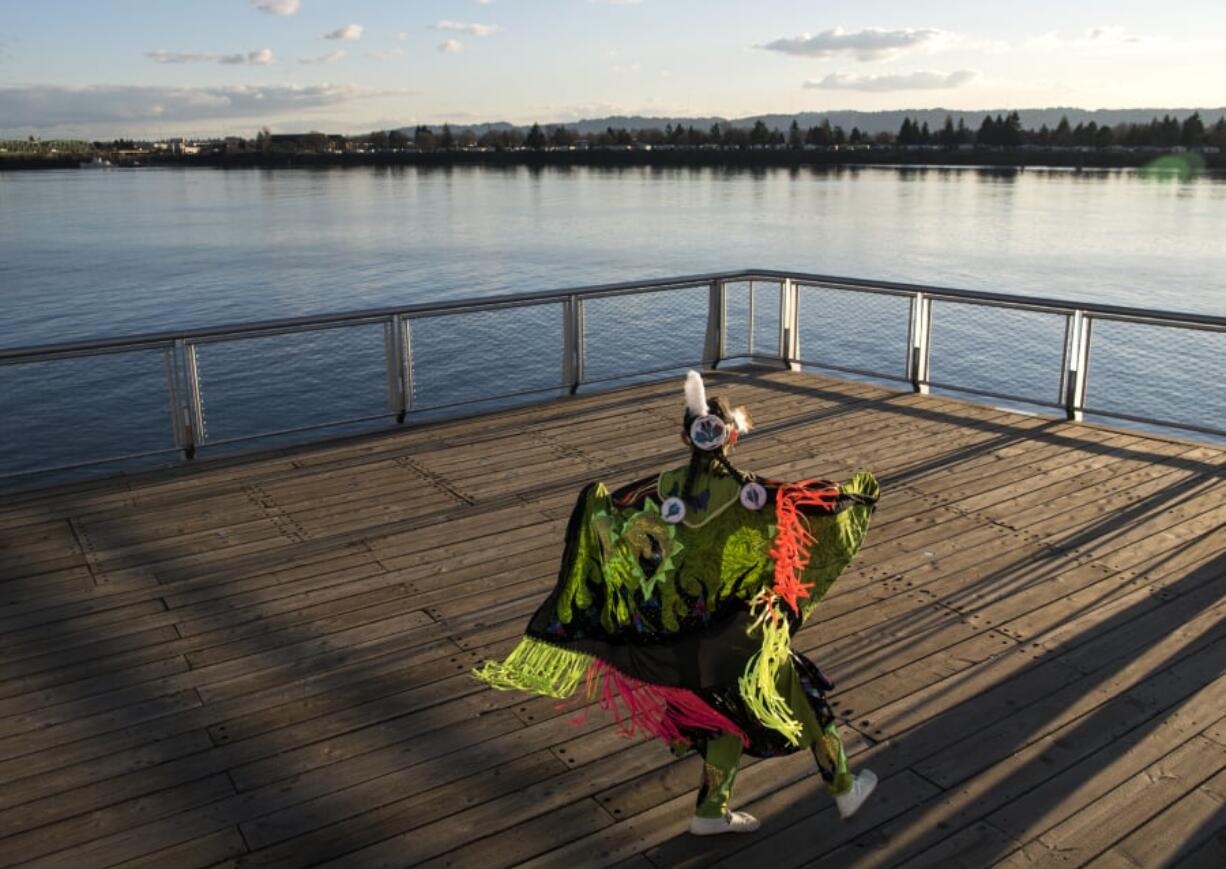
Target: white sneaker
(733, 822)
(861, 786)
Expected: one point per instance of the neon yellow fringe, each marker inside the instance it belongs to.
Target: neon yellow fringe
(537, 667)
(759, 684)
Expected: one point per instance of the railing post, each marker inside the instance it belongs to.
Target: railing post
(919, 349)
(750, 323)
(572, 343)
(789, 324)
(173, 386)
(406, 361)
(399, 372)
(714, 346)
(1077, 365)
(186, 406)
(195, 402)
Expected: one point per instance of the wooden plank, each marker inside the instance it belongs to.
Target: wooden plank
(196, 766)
(83, 626)
(303, 677)
(1194, 823)
(337, 833)
(104, 770)
(23, 664)
(1217, 731)
(380, 606)
(971, 848)
(49, 707)
(1100, 774)
(529, 839)
(1135, 802)
(200, 853)
(85, 832)
(95, 675)
(69, 605)
(776, 796)
(298, 609)
(31, 590)
(1017, 767)
(532, 801)
(20, 744)
(376, 700)
(89, 761)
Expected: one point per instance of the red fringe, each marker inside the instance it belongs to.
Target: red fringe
(793, 540)
(655, 710)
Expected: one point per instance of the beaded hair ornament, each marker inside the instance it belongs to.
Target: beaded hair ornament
(709, 431)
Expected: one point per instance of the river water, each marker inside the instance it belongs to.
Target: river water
(88, 254)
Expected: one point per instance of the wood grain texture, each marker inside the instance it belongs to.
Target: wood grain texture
(264, 660)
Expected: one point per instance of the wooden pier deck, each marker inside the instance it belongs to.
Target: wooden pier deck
(264, 661)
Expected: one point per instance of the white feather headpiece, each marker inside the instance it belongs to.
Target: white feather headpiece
(695, 394)
(696, 403)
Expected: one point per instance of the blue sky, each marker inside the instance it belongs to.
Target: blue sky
(207, 67)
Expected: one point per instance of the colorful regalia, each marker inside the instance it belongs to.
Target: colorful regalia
(677, 599)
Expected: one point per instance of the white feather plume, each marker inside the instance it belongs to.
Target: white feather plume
(695, 394)
(740, 419)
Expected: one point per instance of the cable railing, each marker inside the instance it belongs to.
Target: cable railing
(77, 405)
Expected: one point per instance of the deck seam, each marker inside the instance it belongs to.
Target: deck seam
(284, 523)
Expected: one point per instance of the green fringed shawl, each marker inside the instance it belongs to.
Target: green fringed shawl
(656, 600)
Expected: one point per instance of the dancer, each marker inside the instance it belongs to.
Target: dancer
(675, 606)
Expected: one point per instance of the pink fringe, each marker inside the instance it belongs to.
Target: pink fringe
(655, 710)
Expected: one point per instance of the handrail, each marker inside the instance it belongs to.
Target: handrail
(158, 340)
(186, 404)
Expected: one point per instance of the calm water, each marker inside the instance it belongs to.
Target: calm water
(97, 253)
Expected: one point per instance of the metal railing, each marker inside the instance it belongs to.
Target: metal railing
(713, 328)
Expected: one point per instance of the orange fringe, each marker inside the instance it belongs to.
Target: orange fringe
(793, 540)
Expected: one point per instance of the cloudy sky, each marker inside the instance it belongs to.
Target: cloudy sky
(96, 68)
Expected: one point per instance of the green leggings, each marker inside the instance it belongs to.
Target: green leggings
(723, 754)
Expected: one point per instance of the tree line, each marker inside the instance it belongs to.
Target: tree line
(999, 131)
(1002, 131)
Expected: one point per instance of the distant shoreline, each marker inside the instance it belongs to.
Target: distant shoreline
(682, 158)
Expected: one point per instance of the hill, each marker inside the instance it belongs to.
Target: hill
(868, 122)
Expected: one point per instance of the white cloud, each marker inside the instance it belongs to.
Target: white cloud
(277, 7)
(484, 2)
(403, 36)
(164, 56)
(872, 43)
(330, 57)
(451, 46)
(263, 57)
(470, 29)
(914, 81)
(385, 54)
(1104, 38)
(124, 107)
(350, 32)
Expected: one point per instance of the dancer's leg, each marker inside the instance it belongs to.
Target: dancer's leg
(719, 765)
(821, 732)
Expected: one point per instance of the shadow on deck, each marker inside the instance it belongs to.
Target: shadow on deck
(265, 660)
